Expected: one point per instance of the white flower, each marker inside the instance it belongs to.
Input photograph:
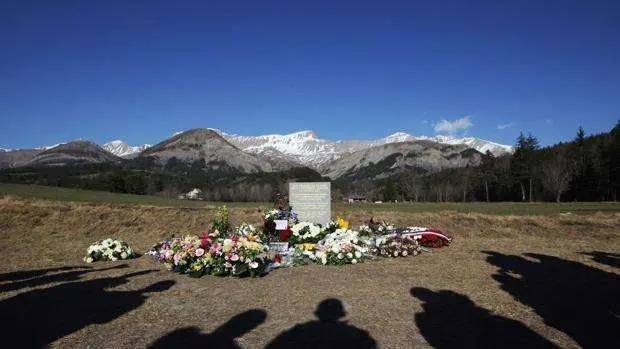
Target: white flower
(124, 255)
(405, 253)
(358, 254)
(89, 260)
(353, 261)
(340, 256)
(253, 265)
(350, 255)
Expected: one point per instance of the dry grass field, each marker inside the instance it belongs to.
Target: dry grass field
(527, 281)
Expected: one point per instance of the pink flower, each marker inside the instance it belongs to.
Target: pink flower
(228, 265)
(199, 252)
(177, 257)
(234, 258)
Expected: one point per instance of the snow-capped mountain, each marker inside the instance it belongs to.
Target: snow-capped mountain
(122, 149)
(302, 147)
(305, 148)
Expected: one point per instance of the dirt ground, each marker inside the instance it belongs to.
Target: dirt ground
(528, 281)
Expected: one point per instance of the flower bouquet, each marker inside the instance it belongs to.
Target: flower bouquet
(341, 247)
(270, 218)
(306, 232)
(212, 254)
(108, 250)
(395, 245)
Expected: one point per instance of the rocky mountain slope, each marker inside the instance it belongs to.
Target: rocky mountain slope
(77, 152)
(261, 153)
(384, 160)
(305, 148)
(15, 158)
(207, 144)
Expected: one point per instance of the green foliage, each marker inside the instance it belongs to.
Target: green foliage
(221, 221)
(389, 191)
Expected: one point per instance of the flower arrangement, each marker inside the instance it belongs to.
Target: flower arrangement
(432, 238)
(341, 247)
(241, 251)
(213, 255)
(108, 250)
(395, 245)
(269, 225)
(306, 232)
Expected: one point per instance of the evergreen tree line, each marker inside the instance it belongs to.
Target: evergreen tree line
(585, 169)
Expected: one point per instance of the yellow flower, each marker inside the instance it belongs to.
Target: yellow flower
(342, 223)
(253, 237)
(306, 246)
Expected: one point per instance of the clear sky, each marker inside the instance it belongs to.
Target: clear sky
(141, 70)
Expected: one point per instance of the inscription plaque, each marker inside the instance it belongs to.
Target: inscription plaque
(311, 201)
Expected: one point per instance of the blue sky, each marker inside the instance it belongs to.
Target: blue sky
(141, 70)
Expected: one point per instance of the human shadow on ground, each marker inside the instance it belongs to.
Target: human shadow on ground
(38, 317)
(52, 278)
(328, 332)
(27, 274)
(452, 320)
(607, 258)
(577, 299)
(223, 337)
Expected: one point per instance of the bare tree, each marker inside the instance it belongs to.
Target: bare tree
(557, 173)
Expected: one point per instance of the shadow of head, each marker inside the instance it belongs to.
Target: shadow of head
(443, 297)
(241, 324)
(330, 309)
(608, 258)
(159, 286)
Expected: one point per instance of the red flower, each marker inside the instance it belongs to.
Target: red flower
(205, 240)
(277, 259)
(285, 234)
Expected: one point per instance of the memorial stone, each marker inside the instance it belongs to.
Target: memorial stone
(311, 201)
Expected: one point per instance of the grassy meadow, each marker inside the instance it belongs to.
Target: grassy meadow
(527, 274)
(35, 192)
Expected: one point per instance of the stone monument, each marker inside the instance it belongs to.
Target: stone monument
(311, 201)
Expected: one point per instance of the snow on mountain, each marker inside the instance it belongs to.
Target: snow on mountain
(122, 149)
(302, 147)
(305, 148)
(476, 143)
(48, 147)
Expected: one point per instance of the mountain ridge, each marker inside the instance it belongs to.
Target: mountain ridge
(301, 148)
